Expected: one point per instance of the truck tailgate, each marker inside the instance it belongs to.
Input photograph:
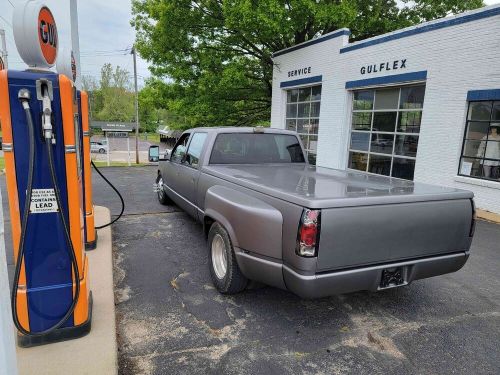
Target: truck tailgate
(356, 236)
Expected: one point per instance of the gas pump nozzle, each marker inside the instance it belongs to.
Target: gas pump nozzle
(47, 115)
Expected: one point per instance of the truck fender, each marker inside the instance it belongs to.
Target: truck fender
(253, 225)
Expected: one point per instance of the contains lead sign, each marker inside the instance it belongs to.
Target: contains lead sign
(43, 201)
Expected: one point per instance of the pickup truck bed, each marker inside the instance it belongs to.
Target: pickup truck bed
(368, 232)
(365, 219)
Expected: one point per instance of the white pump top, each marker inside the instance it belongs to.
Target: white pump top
(35, 34)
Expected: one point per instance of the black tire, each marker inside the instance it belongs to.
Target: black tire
(102, 151)
(162, 196)
(233, 281)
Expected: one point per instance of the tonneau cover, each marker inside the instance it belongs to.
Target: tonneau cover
(317, 187)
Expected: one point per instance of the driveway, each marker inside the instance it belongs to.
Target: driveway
(172, 321)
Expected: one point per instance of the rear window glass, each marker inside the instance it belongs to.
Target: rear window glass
(256, 148)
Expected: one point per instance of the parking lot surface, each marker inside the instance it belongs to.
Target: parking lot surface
(172, 321)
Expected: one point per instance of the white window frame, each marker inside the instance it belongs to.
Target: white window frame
(392, 155)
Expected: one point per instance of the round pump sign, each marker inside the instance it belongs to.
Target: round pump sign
(35, 34)
(66, 63)
(47, 35)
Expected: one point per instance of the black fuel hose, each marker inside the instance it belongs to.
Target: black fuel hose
(119, 196)
(24, 225)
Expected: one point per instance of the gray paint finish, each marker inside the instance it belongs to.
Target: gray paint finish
(356, 236)
(249, 217)
(366, 219)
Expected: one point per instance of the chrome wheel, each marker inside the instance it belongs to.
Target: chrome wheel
(219, 256)
(159, 184)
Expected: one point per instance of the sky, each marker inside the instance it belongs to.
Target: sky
(104, 27)
(105, 33)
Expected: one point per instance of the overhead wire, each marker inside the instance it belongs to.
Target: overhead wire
(7, 22)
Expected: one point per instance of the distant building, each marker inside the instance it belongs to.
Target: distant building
(169, 136)
(114, 128)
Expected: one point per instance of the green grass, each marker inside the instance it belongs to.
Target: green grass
(152, 137)
(101, 164)
(98, 163)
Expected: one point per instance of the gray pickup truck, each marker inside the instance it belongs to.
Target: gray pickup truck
(271, 217)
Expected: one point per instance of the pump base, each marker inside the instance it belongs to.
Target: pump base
(92, 244)
(61, 334)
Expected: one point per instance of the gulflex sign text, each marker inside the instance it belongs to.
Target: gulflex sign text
(384, 66)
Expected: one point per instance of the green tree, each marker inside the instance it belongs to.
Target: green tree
(117, 97)
(215, 56)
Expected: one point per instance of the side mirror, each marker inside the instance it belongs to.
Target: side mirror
(154, 153)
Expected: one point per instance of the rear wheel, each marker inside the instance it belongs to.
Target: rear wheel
(102, 151)
(224, 271)
(162, 196)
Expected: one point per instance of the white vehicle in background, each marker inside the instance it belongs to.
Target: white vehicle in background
(100, 147)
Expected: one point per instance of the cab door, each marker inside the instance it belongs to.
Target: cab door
(172, 169)
(188, 172)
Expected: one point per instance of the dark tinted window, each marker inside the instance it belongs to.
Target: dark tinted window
(254, 148)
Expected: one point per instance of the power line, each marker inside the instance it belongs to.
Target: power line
(10, 2)
(7, 22)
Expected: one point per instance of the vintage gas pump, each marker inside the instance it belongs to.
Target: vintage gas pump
(66, 65)
(51, 299)
(90, 231)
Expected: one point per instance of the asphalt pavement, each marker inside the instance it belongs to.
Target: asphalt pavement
(172, 321)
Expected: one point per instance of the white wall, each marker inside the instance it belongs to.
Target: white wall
(7, 345)
(457, 59)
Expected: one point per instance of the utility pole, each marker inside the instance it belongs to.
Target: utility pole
(3, 52)
(136, 108)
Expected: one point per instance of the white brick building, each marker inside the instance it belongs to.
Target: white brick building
(420, 103)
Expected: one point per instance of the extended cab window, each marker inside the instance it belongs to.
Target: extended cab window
(180, 149)
(256, 148)
(195, 147)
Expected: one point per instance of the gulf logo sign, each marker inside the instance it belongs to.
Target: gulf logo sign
(35, 33)
(47, 35)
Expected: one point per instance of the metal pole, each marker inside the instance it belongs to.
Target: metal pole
(75, 41)
(4, 53)
(108, 148)
(128, 149)
(136, 108)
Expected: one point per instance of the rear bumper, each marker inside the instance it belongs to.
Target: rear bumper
(368, 278)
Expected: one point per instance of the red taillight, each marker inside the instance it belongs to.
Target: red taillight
(308, 234)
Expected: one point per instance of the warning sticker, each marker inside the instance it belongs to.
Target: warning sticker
(43, 201)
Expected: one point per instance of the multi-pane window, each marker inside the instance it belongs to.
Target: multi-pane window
(481, 148)
(385, 130)
(302, 116)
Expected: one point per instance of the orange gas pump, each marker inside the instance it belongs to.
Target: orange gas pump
(51, 298)
(90, 231)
